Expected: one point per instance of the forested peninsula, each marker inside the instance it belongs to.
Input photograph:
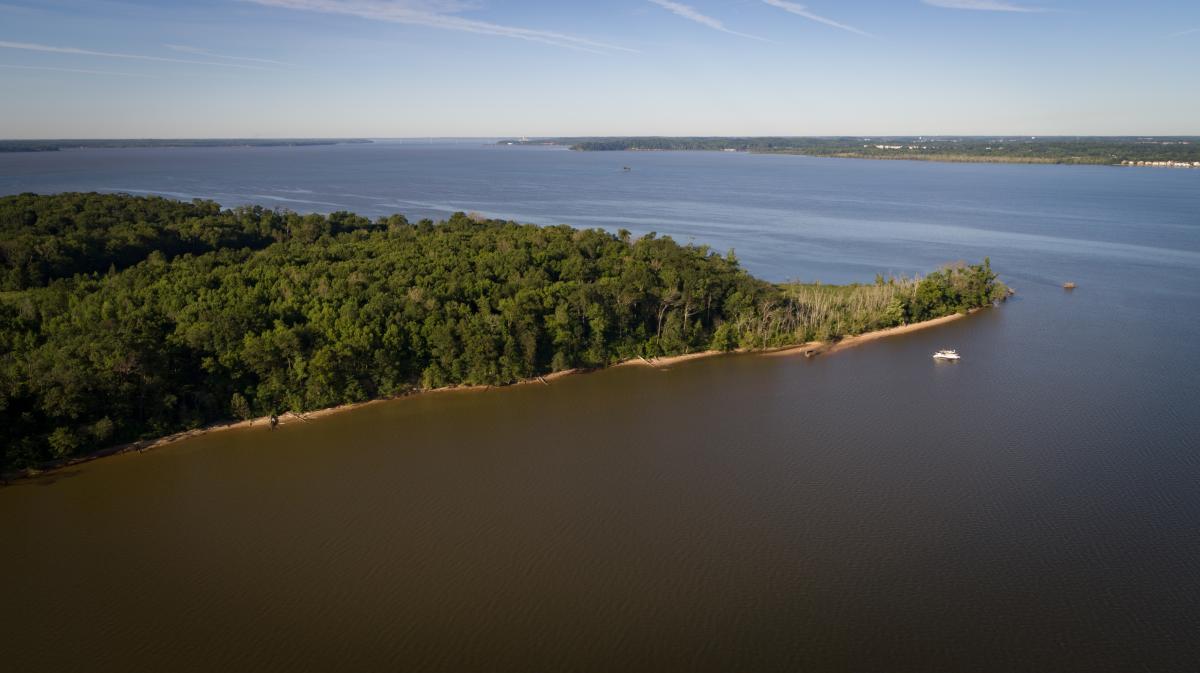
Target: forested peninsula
(125, 318)
(1174, 151)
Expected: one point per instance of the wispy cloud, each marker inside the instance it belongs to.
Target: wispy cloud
(690, 13)
(29, 46)
(801, 10)
(439, 14)
(983, 5)
(197, 51)
(1189, 31)
(77, 70)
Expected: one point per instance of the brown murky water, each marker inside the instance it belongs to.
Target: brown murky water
(865, 511)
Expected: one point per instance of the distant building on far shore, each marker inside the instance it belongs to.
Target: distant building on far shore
(1164, 164)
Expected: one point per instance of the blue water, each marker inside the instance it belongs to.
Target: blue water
(1032, 508)
(1129, 237)
(787, 216)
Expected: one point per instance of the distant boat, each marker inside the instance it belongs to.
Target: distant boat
(626, 168)
(947, 355)
(1069, 285)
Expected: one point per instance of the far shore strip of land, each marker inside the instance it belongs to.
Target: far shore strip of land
(1169, 152)
(807, 349)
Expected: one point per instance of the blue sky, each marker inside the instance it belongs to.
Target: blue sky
(404, 68)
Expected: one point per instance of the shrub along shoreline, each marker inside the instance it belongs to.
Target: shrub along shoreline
(127, 318)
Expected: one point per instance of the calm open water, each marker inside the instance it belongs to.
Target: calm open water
(1034, 507)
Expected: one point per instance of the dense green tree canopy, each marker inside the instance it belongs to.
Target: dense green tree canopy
(125, 318)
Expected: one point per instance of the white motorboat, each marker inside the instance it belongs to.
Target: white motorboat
(947, 355)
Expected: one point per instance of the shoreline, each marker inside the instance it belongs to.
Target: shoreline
(939, 158)
(857, 340)
(942, 159)
(945, 159)
(808, 349)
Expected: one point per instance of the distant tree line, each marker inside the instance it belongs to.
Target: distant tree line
(129, 317)
(999, 149)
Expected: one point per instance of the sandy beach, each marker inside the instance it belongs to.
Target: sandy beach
(852, 341)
